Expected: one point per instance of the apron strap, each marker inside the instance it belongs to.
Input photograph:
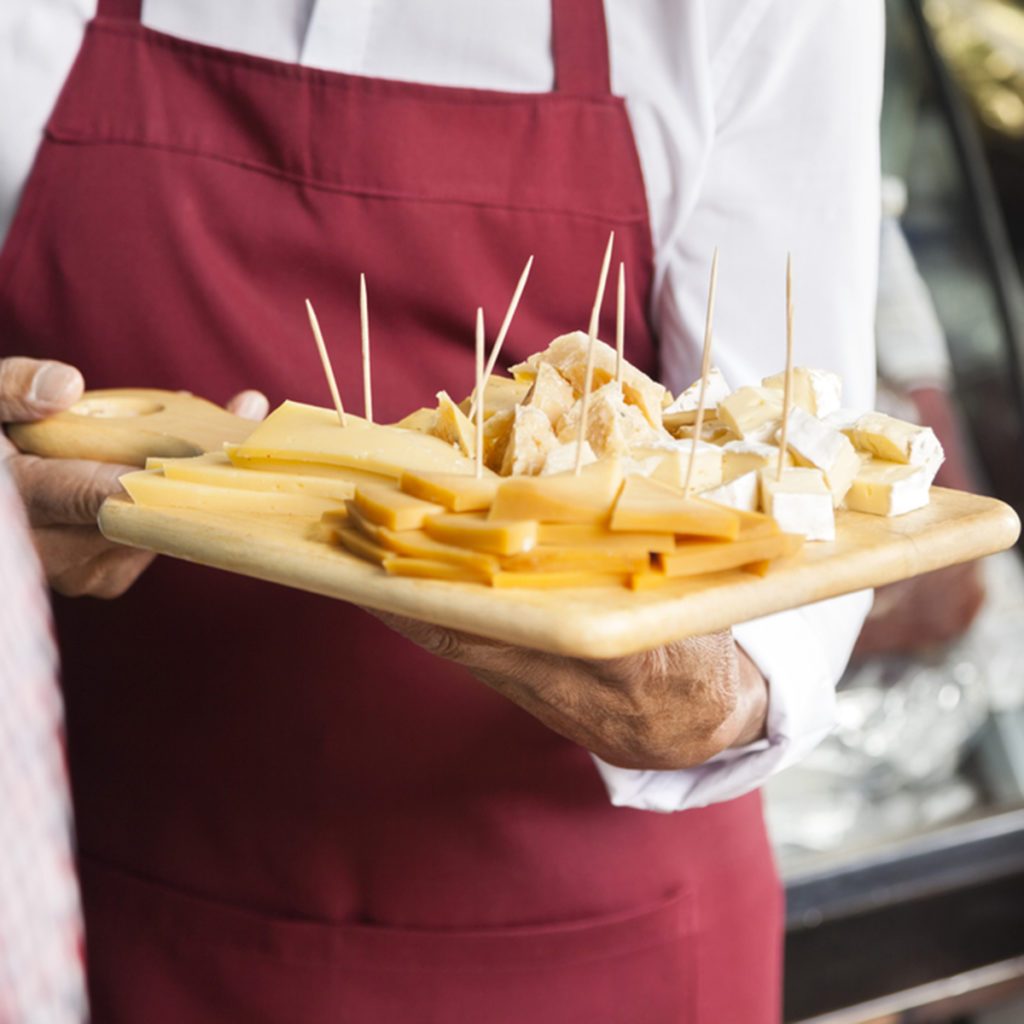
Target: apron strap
(131, 9)
(579, 44)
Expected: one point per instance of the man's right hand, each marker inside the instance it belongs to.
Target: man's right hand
(63, 496)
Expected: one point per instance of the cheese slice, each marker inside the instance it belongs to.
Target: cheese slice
(696, 557)
(304, 433)
(897, 441)
(493, 536)
(153, 490)
(319, 470)
(792, 543)
(425, 568)
(650, 505)
(217, 470)
(889, 488)
(578, 558)
(819, 446)
(453, 425)
(590, 535)
(752, 413)
(422, 420)
(361, 546)
(390, 507)
(457, 492)
(586, 497)
(818, 392)
(557, 580)
(800, 502)
(419, 544)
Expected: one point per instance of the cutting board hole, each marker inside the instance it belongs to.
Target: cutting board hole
(116, 408)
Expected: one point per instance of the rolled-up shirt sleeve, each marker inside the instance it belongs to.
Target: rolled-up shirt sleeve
(793, 166)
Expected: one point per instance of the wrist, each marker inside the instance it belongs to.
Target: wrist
(752, 701)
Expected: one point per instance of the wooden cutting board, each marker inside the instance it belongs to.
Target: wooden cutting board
(603, 622)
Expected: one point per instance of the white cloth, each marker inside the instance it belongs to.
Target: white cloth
(757, 128)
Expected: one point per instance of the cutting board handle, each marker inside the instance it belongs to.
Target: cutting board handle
(130, 425)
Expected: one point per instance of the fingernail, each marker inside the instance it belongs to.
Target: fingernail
(55, 384)
(252, 406)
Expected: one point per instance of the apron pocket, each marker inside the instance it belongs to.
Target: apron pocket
(159, 955)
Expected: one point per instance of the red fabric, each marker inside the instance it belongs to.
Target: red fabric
(286, 812)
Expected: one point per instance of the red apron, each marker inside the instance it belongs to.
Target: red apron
(285, 812)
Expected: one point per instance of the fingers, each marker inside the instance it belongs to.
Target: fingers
(65, 492)
(31, 389)
(79, 561)
(250, 405)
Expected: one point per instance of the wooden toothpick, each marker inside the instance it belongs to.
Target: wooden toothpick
(364, 335)
(595, 316)
(503, 331)
(787, 394)
(479, 391)
(325, 359)
(620, 323)
(705, 366)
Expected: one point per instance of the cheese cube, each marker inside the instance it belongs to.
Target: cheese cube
(816, 445)
(889, 488)
(818, 392)
(684, 409)
(742, 457)
(752, 413)
(897, 441)
(800, 502)
(742, 492)
(613, 426)
(497, 434)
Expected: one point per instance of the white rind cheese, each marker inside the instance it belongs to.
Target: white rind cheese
(816, 445)
(818, 392)
(889, 488)
(800, 502)
(752, 413)
(895, 440)
(742, 492)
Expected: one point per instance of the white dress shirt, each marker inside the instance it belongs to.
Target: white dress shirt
(756, 123)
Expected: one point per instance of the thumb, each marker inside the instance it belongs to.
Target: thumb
(31, 389)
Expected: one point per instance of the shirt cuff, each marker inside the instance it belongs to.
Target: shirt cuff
(802, 653)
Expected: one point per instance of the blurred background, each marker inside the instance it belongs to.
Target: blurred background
(901, 840)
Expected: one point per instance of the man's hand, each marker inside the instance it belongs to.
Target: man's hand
(673, 707)
(63, 496)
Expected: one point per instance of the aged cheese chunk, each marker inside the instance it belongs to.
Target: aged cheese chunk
(592, 559)
(152, 489)
(304, 433)
(613, 426)
(751, 413)
(557, 580)
(673, 460)
(889, 488)
(529, 441)
(568, 355)
(800, 502)
(500, 394)
(897, 441)
(816, 445)
(388, 506)
(494, 536)
(453, 426)
(458, 492)
(430, 569)
(693, 557)
(741, 492)
(422, 420)
(217, 470)
(562, 458)
(818, 392)
(551, 393)
(647, 504)
(684, 409)
(591, 535)
(497, 434)
(740, 457)
(586, 497)
(712, 430)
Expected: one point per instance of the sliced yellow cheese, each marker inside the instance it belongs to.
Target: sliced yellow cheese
(361, 546)
(586, 497)
(495, 537)
(694, 557)
(430, 569)
(457, 492)
(419, 544)
(651, 505)
(321, 471)
(557, 580)
(591, 535)
(390, 507)
(590, 559)
(304, 433)
(152, 489)
(423, 420)
(792, 544)
(217, 470)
